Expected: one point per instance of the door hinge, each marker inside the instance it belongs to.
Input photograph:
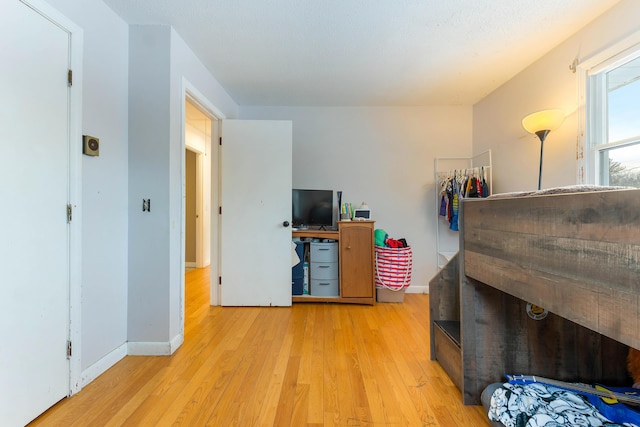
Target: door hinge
(220, 141)
(69, 349)
(219, 210)
(219, 280)
(70, 77)
(69, 213)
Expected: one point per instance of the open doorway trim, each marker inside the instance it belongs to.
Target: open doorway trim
(190, 92)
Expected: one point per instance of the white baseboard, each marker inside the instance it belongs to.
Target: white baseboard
(148, 348)
(190, 264)
(130, 349)
(155, 348)
(412, 289)
(98, 368)
(176, 342)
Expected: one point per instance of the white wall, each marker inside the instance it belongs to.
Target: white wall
(547, 83)
(104, 178)
(186, 68)
(149, 143)
(384, 156)
(160, 63)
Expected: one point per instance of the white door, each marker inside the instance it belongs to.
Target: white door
(34, 237)
(256, 204)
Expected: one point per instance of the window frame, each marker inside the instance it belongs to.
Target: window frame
(592, 121)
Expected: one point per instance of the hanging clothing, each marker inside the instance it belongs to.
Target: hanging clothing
(457, 185)
(453, 224)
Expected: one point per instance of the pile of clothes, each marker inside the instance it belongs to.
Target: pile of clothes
(542, 405)
(381, 238)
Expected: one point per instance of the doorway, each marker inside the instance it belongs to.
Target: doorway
(197, 194)
(191, 211)
(201, 168)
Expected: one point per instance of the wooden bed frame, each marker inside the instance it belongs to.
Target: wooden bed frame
(575, 254)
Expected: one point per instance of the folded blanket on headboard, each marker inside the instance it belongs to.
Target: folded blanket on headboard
(560, 190)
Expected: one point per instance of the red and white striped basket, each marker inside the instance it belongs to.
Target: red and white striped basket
(393, 267)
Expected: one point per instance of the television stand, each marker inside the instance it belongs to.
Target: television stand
(355, 262)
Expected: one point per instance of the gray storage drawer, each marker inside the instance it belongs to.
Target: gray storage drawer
(324, 288)
(323, 270)
(324, 252)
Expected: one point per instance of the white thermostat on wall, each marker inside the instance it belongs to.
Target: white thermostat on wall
(362, 213)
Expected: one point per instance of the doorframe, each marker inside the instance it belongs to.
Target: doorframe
(199, 202)
(201, 259)
(216, 115)
(201, 155)
(74, 196)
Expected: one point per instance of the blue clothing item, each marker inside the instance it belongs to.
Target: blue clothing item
(455, 206)
(614, 410)
(443, 206)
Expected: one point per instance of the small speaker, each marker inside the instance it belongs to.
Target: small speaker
(90, 145)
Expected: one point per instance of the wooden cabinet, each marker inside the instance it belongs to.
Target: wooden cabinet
(355, 262)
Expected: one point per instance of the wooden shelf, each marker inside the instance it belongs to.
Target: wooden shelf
(451, 328)
(446, 338)
(355, 259)
(320, 234)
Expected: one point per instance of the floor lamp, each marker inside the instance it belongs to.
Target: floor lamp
(540, 124)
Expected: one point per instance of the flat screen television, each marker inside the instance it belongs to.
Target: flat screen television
(312, 208)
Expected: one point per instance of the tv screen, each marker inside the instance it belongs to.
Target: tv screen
(312, 208)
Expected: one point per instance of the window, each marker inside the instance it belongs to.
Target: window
(613, 120)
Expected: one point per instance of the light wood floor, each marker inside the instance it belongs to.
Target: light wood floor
(307, 365)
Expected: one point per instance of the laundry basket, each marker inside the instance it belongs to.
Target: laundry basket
(393, 273)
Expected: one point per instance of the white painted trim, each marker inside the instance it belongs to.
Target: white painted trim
(191, 92)
(192, 144)
(199, 209)
(148, 348)
(75, 298)
(159, 348)
(200, 100)
(593, 63)
(101, 366)
(183, 208)
(581, 152)
(190, 264)
(417, 289)
(215, 290)
(176, 342)
(75, 185)
(201, 148)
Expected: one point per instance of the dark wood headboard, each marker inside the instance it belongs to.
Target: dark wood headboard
(577, 255)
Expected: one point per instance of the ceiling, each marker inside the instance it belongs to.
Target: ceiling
(365, 52)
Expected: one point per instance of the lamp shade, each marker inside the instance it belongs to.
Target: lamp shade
(543, 120)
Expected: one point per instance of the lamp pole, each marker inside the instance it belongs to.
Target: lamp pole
(542, 134)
